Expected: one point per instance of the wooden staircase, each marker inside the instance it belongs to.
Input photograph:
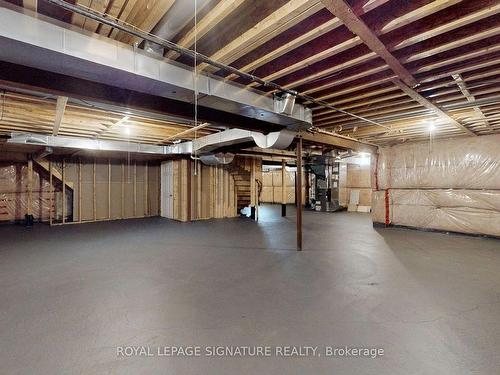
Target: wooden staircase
(242, 176)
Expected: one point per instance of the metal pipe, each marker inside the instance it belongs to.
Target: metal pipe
(117, 24)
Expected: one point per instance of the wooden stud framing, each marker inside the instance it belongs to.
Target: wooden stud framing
(94, 203)
(146, 190)
(135, 188)
(29, 210)
(123, 192)
(80, 193)
(63, 180)
(109, 188)
(51, 210)
(189, 190)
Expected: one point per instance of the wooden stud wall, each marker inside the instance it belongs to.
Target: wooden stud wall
(109, 189)
(210, 193)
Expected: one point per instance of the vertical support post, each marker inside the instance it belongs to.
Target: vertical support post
(29, 210)
(123, 191)
(298, 191)
(51, 192)
(253, 191)
(109, 188)
(94, 207)
(63, 180)
(188, 189)
(146, 190)
(307, 187)
(198, 192)
(135, 188)
(283, 188)
(80, 191)
(158, 188)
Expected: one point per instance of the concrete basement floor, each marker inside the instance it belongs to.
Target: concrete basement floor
(70, 295)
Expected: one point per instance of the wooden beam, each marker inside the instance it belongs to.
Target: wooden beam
(336, 49)
(298, 190)
(51, 192)
(29, 208)
(122, 203)
(446, 27)
(112, 126)
(109, 188)
(94, 193)
(185, 132)
(63, 173)
(344, 12)
(277, 22)
(189, 190)
(146, 189)
(429, 105)
(291, 45)
(145, 19)
(417, 14)
(79, 191)
(470, 98)
(339, 141)
(60, 108)
(135, 188)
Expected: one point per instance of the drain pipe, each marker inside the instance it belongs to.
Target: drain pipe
(199, 56)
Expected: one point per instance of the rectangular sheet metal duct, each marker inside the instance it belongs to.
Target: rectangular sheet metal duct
(38, 43)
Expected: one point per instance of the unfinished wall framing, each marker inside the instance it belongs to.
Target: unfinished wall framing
(77, 190)
(193, 191)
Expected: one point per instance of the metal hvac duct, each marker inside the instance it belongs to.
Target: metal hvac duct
(217, 159)
(40, 44)
(205, 147)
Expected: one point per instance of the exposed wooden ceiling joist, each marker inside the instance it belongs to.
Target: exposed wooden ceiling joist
(465, 91)
(344, 12)
(185, 132)
(212, 18)
(427, 104)
(338, 141)
(279, 21)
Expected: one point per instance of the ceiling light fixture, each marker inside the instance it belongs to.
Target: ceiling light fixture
(432, 126)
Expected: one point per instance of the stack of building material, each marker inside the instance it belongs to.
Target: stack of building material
(272, 187)
(449, 185)
(355, 190)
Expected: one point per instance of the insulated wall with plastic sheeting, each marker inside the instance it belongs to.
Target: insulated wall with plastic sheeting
(451, 185)
(460, 163)
(14, 193)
